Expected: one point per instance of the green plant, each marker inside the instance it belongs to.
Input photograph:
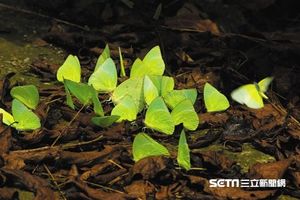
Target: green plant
(122, 74)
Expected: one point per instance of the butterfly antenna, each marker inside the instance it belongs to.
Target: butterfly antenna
(144, 110)
(12, 124)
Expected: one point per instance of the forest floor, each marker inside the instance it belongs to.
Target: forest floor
(227, 45)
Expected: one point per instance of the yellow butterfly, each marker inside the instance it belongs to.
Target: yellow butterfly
(252, 94)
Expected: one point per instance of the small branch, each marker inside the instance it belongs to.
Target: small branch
(55, 183)
(104, 187)
(65, 146)
(66, 128)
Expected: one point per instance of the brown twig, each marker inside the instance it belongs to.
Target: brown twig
(55, 183)
(104, 187)
(65, 146)
(66, 128)
(113, 162)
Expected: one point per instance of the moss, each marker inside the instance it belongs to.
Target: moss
(245, 159)
(17, 57)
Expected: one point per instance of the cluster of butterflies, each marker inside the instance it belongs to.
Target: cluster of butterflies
(25, 100)
(146, 87)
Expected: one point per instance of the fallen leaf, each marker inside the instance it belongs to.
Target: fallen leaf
(273, 170)
(39, 186)
(141, 189)
(149, 167)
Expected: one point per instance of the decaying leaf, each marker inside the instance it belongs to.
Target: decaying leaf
(150, 167)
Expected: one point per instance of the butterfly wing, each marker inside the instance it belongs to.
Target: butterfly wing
(137, 69)
(183, 155)
(70, 70)
(213, 99)
(167, 85)
(159, 118)
(152, 64)
(131, 87)
(98, 109)
(7, 118)
(185, 113)
(26, 119)
(190, 94)
(144, 146)
(164, 84)
(174, 97)
(69, 99)
(81, 91)
(103, 57)
(263, 86)
(248, 95)
(156, 80)
(105, 78)
(150, 90)
(105, 121)
(126, 109)
(27, 94)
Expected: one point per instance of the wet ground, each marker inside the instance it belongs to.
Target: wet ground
(21, 45)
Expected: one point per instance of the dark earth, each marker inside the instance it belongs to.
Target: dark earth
(226, 43)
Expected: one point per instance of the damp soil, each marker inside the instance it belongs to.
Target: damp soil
(226, 43)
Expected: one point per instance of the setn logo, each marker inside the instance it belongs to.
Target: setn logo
(224, 183)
